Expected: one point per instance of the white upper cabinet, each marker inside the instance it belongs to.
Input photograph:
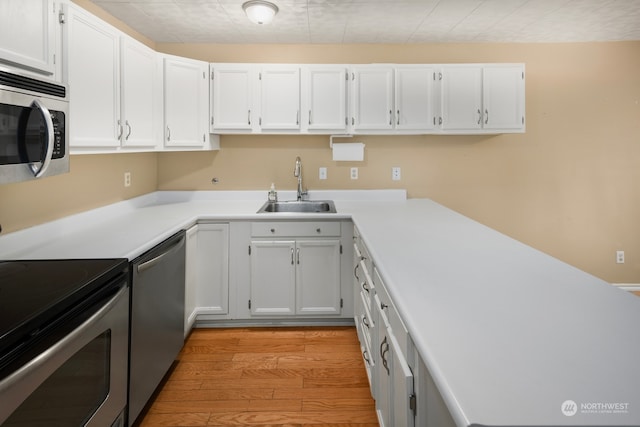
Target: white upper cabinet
(396, 98)
(30, 35)
(324, 98)
(140, 94)
(115, 90)
(186, 104)
(503, 97)
(280, 98)
(232, 93)
(461, 97)
(414, 98)
(372, 100)
(482, 98)
(93, 76)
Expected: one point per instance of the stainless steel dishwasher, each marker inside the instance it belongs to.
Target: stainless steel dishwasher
(157, 318)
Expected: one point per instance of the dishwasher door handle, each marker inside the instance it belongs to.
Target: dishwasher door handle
(149, 264)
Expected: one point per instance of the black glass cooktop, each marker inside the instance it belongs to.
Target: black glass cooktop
(33, 293)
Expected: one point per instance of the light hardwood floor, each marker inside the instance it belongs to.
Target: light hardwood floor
(285, 377)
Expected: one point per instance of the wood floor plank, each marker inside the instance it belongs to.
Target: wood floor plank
(266, 377)
(320, 393)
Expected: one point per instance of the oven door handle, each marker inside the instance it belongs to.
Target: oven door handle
(39, 168)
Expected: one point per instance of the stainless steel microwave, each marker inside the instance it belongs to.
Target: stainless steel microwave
(34, 141)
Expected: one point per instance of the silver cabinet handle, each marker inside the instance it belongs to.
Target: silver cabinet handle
(390, 117)
(168, 133)
(39, 170)
(364, 286)
(249, 117)
(298, 117)
(119, 130)
(398, 118)
(383, 306)
(291, 256)
(486, 116)
(479, 116)
(309, 116)
(298, 256)
(355, 272)
(365, 322)
(126, 122)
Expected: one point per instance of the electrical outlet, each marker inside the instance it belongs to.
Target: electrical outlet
(620, 257)
(395, 173)
(354, 173)
(127, 179)
(322, 173)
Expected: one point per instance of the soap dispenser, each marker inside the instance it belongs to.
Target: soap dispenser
(273, 195)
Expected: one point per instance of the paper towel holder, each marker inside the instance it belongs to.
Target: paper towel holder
(338, 136)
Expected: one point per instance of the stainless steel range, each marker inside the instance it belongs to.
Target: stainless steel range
(64, 328)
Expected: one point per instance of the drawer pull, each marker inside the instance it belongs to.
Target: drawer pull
(291, 256)
(384, 349)
(365, 287)
(364, 356)
(273, 230)
(318, 230)
(355, 272)
(365, 322)
(383, 306)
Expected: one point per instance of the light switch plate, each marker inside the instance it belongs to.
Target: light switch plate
(322, 173)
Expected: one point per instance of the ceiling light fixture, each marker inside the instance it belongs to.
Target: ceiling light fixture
(259, 11)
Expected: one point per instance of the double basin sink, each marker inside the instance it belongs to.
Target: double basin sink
(303, 206)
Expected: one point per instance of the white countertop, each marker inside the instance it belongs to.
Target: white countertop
(507, 332)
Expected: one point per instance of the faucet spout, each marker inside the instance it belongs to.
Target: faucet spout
(297, 172)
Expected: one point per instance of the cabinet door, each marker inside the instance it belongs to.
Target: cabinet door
(94, 79)
(232, 96)
(186, 102)
(461, 97)
(372, 98)
(139, 97)
(402, 395)
(326, 98)
(382, 369)
(318, 277)
(273, 276)
(212, 292)
(414, 98)
(280, 98)
(191, 278)
(28, 34)
(503, 97)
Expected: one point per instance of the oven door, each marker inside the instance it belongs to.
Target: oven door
(80, 380)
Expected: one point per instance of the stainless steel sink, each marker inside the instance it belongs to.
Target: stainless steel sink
(304, 206)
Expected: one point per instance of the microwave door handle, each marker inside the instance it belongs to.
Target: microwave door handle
(39, 168)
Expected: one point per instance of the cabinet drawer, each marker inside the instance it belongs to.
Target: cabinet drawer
(295, 229)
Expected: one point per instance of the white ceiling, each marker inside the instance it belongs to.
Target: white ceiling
(383, 21)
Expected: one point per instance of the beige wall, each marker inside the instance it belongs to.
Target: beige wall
(568, 186)
(94, 181)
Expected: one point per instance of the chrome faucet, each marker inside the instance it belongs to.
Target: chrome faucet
(297, 172)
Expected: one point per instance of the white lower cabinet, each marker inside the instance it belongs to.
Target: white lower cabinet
(295, 277)
(207, 272)
(297, 271)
